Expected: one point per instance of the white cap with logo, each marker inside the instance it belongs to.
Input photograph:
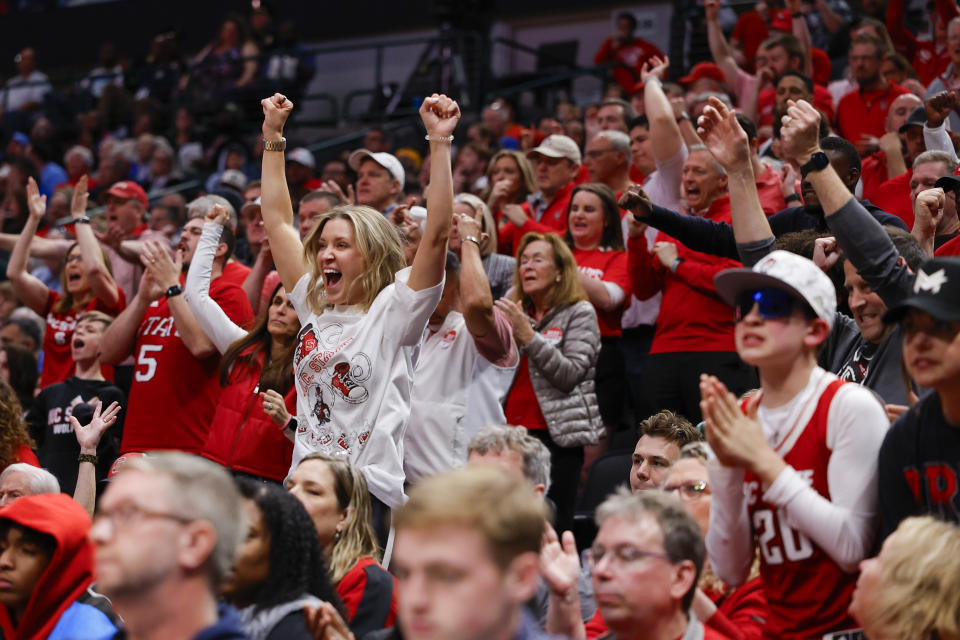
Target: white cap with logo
(557, 146)
(786, 271)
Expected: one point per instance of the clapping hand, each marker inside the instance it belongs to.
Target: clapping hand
(36, 202)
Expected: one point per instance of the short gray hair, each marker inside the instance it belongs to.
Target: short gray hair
(497, 438)
(928, 157)
(40, 480)
(618, 140)
(82, 151)
(682, 539)
(202, 490)
(198, 208)
(716, 163)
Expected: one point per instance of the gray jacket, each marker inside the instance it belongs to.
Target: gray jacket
(563, 358)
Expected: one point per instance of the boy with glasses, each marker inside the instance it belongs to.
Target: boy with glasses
(795, 470)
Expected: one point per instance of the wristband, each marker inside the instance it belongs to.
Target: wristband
(175, 290)
(88, 457)
(793, 197)
(472, 239)
(438, 138)
(676, 263)
(81, 220)
(291, 424)
(275, 145)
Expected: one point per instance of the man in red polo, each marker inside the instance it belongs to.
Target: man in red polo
(694, 331)
(862, 114)
(556, 163)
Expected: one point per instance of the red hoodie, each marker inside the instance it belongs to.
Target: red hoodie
(70, 571)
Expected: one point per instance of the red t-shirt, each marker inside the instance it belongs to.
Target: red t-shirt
(633, 54)
(768, 188)
(862, 112)
(893, 196)
(174, 395)
(636, 176)
(58, 365)
(949, 248)
(235, 272)
(692, 317)
(608, 266)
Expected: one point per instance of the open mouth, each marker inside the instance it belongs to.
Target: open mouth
(73, 277)
(331, 277)
(78, 343)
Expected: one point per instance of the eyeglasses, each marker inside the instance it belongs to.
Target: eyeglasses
(125, 515)
(688, 492)
(941, 329)
(621, 555)
(771, 304)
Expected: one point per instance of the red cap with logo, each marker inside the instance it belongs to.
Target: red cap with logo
(703, 70)
(128, 189)
(782, 21)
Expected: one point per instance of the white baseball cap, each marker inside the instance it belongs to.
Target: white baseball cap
(386, 160)
(557, 146)
(785, 271)
(233, 178)
(303, 156)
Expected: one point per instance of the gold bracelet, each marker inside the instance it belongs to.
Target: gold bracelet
(275, 145)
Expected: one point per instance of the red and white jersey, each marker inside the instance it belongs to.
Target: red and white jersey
(807, 592)
(174, 396)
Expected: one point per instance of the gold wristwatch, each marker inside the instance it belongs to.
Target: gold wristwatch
(275, 145)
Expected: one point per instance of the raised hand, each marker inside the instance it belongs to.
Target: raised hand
(928, 211)
(666, 252)
(711, 9)
(219, 214)
(736, 438)
(826, 252)
(78, 204)
(36, 202)
(150, 288)
(158, 262)
(276, 109)
(332, 187)
(88, 437)
(800, 135)
(890, 143)
(636, 201)
(559, 562)
(326, 623)
(468, 226)
(655, 67)
(788, 179)
(939, 106)
(723, 135)
(440, 116)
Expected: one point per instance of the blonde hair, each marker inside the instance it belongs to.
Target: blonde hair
(919, 596)
(488, 244)
(96, 316)
(528, 183)
(568, 290)
(358, 539)
(379, 243)
(500, 507)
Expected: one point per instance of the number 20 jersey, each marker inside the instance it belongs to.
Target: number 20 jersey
(807, 592)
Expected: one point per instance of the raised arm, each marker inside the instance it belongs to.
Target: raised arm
(276, 206)
(476, 300)
(665, 135)
(802, 33)
(117, 342)
(101, 282)
(212, 320)
(253, 284)
(29, 289)
(440, 115)
(728, 143)
(43, 248)
(88, 437)
(719, 47)
(167, 271)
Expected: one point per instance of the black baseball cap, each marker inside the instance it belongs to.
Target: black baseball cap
(917, 118)
(936, 290)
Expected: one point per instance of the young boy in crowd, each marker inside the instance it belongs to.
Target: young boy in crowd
(49, 419)
(795, 466)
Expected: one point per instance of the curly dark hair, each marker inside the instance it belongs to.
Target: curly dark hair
(23, 372)
(297, 563)
(13, 430)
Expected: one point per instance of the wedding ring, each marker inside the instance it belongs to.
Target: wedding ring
(268, 406)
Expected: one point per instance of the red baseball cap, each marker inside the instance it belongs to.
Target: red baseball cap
(128, 189)
(703, 70)
(782, 21)
(122, 460)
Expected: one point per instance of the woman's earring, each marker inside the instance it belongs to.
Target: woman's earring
(558, 278)
(336, 536)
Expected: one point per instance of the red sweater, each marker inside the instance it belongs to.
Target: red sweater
(554, 218)
(692, 317)
(893, 196)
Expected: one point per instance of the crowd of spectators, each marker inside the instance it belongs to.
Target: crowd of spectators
(267, 405)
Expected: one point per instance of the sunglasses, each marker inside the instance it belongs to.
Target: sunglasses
(770, 303)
